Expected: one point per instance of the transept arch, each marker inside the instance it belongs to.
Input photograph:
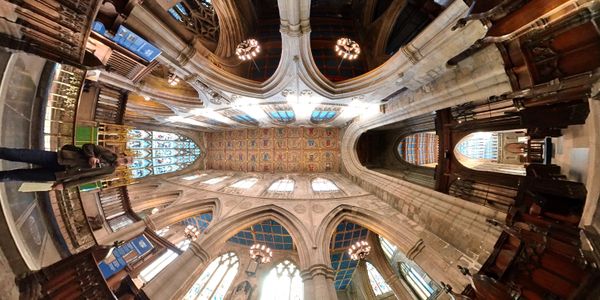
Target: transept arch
(230, 225)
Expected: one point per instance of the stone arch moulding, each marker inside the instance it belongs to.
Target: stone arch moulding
(400, 231)
(186, 210)
(227, 227)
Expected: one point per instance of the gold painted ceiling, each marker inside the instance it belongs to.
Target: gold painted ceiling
(288, 149)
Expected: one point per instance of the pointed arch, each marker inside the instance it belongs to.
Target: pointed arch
(399, 233)
(228, 227)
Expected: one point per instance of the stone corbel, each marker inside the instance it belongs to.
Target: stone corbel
(318, 270)
(416, 249)
(185, 55)
(412, 53)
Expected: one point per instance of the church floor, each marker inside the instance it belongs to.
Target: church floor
(25, 229)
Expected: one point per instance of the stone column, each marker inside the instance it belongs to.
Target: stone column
(175, 279)
(318, 282)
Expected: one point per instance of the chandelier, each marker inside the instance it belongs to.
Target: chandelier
(359, 250)
(191, 232)
(173, 80)
(347, 48)
(261, 253)
(247, 49)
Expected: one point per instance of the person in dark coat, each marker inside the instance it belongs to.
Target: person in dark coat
(68, 167)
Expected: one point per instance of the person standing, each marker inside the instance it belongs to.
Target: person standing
(68, 167)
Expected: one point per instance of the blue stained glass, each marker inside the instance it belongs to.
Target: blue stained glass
(283, 116)
(318, 116)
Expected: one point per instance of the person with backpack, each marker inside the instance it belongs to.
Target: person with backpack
(68, 167)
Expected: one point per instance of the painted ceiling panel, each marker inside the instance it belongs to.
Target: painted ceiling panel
(286, 149)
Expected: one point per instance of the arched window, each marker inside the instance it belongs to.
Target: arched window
(193, 177)
(283, 283)
(245, 119)
(245, 183)
(163, 261)
(378, 284)
(388, 248)
(419, 282)
(216, 279)
(282, 186)
(157, 152)
(420, 149)
(499, 151)
(215, 180)
(283, 116)
(321, 115)
(323, 185)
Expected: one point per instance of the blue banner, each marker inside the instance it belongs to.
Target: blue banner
(124, 254)
(130, 41)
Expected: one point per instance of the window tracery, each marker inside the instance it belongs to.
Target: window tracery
(494, 151)
(215, 180)
(378, 284)
(283, 283)
(322, 185)
(157, 152)
(216, 279)
(282, 186)
(198, 16)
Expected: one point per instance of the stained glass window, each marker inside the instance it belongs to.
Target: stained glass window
(245, 119)
(320, 116)
(162, 262)
(378, 284)
(479, 145)
(245, 183)
(216, 279)
(157, 152)
(283, 116)
(420, 149)
(282, 185)
(283, 283)
(323, 185)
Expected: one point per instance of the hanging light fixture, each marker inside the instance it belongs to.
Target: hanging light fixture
(261, 253)
(359, 251)
(247, 50)
(173, 80)
(346, 49)
(191, 232)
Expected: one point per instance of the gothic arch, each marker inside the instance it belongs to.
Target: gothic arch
(186, 210)
(229, 226)
(402, 235)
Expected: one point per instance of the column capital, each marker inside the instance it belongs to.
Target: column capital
(199, 252)
(316, 270)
